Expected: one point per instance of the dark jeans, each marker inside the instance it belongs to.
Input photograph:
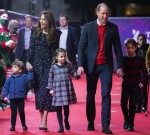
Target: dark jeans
(128, 102)
(17, 104)
(59, 114)
(104, 73)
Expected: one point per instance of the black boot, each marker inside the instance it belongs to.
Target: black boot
(67, 125)
(91, 126)
(125, 125)
(61, 129)
(12, 128)
(60, 119)
(25, 127)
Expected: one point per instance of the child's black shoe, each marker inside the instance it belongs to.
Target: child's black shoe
(125, 125)
(91, 126)
(67, 125)
(60, 130)
(138, 110)
(143, 109)
(12, 128)
(130, 128)
(25, 127)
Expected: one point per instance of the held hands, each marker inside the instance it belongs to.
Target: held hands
(10, 44)
(120, 72)
(6, 99)
(29, 66)
(141, 85)
(51, 92)
(80, 70)
(77, 77)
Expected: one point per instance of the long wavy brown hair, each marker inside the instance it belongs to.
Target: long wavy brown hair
(52, 32)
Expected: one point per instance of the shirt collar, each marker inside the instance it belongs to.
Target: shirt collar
(28, 29)
(100, 24)
(63, 28)
(12, 75)
(132, 56)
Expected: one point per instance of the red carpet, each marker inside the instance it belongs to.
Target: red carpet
(77, 117)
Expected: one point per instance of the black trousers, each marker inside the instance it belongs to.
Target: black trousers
(128, 102)
(59, 114)
(142, 100)
(17, 104)
(105, 74)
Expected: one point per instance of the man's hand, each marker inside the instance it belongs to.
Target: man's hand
(80, 70)
(120, 72)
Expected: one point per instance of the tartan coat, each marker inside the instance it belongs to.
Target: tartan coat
(60, 81)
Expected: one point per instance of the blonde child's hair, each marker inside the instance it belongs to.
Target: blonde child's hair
(59, 50)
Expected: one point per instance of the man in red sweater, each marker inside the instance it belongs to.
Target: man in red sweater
(96, 59)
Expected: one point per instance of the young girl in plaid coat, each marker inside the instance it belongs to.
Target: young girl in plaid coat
(61, 86)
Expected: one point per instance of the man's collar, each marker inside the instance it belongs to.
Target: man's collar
(63, 28)
(100, 24)
(28, 29)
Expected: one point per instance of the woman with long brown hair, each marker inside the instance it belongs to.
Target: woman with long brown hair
(44, 42)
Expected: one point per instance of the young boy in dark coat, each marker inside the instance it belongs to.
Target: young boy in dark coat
(133, 80)
(15, 90)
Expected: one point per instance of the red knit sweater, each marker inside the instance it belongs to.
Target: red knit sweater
(101, 58)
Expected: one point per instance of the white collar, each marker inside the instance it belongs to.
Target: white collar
(100, 24)
(63, 28)
(28, 29)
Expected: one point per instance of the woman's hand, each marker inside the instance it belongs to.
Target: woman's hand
(51, 92)
(29, 66)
